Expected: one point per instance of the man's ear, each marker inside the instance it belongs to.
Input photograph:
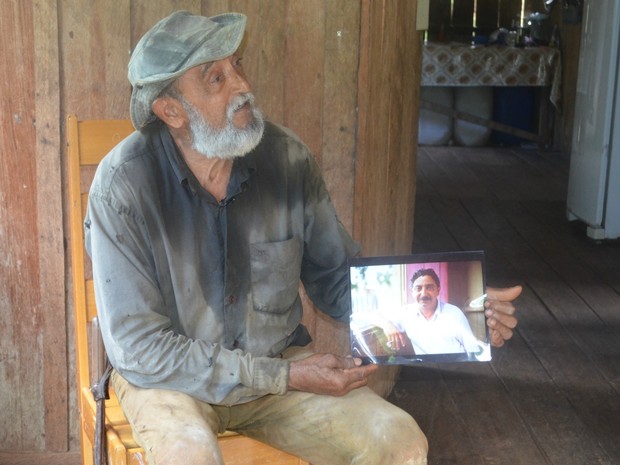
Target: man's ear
(170, 111)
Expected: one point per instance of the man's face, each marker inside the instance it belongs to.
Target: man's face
(220, 109)
(425, 291)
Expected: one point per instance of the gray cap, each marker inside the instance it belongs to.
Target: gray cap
(171, 47)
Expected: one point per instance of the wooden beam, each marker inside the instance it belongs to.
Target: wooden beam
(437, 108)
(388, 94)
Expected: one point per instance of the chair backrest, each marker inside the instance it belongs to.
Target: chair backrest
(87, 143)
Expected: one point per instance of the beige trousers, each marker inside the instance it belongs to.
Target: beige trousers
(360, 428)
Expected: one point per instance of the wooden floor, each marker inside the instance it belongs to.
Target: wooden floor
(552, 395)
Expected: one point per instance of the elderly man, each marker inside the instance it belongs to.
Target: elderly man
(201, 225)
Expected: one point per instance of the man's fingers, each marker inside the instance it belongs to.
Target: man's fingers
(499, 306)
(396, 342)
(500, 312)
(497, 340)
(360, 374)
(499, 329)
(503, 315)
(500, 325)
(350, 362)
(506, 294)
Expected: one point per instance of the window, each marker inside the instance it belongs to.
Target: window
(463, 20)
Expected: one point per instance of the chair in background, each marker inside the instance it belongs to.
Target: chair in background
(87, 143)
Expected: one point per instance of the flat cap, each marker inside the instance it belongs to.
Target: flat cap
(171, 47)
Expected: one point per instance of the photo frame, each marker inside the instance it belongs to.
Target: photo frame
(419, 308)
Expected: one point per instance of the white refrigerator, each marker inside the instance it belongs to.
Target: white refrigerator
(594, 176)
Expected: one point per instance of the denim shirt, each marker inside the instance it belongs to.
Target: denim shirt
(202, 296)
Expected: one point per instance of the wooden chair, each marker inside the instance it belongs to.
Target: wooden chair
(87, 142)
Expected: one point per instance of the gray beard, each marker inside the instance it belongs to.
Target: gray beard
(229, 142)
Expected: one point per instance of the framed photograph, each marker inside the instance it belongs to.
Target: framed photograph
(419, 308)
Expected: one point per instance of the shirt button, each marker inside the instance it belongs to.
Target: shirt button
(231, 299)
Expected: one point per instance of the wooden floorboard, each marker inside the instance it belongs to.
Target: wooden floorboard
(552, 395)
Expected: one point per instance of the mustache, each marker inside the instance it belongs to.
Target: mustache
(238, 102)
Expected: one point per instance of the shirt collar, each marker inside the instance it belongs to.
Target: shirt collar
(179, 167)
(242, 170)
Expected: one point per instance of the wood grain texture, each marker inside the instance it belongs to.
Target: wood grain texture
(266, 56)
(52, 307)
(22, 423)
(386, 147)
(342, 24)
(95, 43)
(304, 86)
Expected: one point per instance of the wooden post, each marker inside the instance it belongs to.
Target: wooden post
(388, 96)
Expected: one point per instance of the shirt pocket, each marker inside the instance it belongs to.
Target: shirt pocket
(275, 270)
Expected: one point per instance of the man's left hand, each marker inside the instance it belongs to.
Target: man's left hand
(500, 313)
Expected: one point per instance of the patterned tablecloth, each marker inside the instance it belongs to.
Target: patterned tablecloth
(494, 65)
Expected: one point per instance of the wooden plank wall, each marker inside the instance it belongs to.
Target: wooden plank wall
(387, 143)
(21, 327)
(303, 58)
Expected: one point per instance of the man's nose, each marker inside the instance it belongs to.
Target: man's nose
(239, 82)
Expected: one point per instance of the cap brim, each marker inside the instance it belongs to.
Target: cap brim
(142, 99)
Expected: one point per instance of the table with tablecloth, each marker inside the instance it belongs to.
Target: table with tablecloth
(463, 65)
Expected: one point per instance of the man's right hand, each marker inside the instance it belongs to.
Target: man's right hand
(329, 374)
(396, 339)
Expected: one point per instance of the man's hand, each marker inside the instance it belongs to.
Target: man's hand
(329, 374)
(396, 339)
(500, 313)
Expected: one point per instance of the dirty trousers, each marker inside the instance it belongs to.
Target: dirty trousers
(359, 428)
